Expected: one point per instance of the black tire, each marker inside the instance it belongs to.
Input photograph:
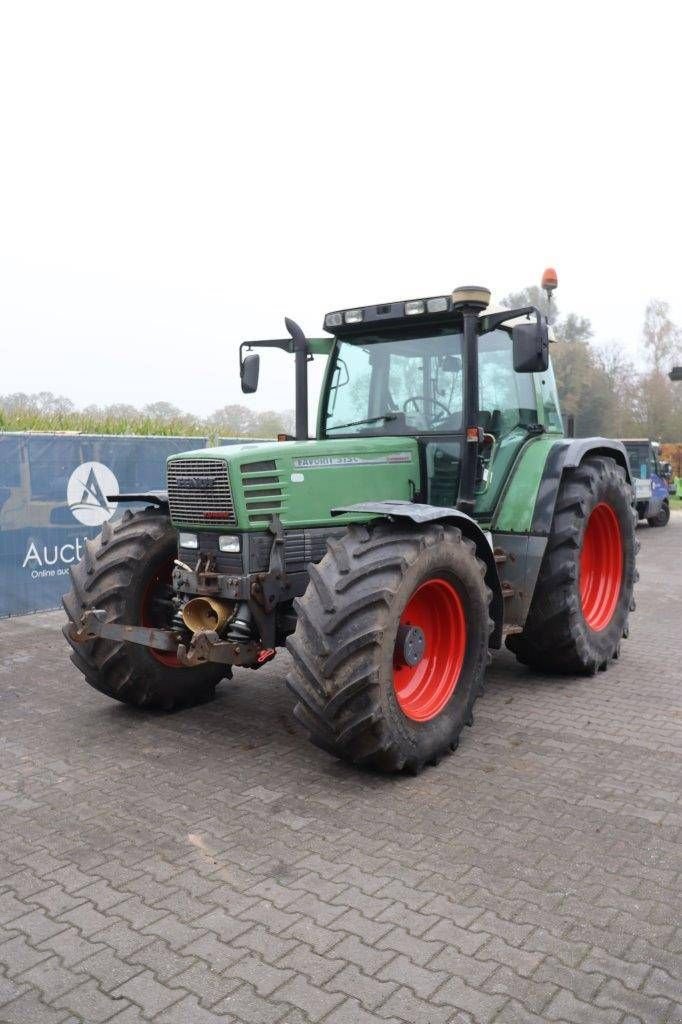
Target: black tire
(557, 637)
(343, 646)
(662, 517)
(114, 574)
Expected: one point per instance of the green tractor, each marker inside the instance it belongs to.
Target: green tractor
(439, 512)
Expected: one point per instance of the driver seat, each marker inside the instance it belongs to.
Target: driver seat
(490, 422)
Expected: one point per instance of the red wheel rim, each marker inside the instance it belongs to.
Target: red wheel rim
(160, 580)
(423, 690)
(601, 567)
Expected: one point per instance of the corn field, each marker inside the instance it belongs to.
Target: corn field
(53, 414)
(86, 424)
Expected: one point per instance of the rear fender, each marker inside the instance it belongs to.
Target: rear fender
(421, 514)
(568, 454)
(525, 542)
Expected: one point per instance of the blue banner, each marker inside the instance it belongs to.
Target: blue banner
(53, 496)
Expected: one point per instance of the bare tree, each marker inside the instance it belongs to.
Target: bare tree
(232, 420)
(270, 424)
(41, 401)
(571, 328)
(163, 411)
(121, 410)
(47, 402)
(662, 337)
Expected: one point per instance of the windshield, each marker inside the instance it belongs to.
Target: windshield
(640, 459)
(393, 384)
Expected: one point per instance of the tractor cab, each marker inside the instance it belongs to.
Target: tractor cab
(407, 372)
(470, 386)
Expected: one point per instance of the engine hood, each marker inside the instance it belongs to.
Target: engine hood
(301, 481)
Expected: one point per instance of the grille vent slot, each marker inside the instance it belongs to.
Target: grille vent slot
(261, 498)
(197, 487)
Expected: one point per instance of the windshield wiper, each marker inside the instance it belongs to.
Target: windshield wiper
(361, 423)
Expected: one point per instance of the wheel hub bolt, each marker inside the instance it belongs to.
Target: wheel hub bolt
(409, 645)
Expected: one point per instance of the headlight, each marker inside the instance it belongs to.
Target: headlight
(353, 316)
(414, 306)
(229, 544)
(188, 540)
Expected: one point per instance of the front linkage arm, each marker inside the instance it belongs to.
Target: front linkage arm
(205, 645)
(93, 624)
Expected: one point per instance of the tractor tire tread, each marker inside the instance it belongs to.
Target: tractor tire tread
(556, 638)
(103, 579)
(336, 644)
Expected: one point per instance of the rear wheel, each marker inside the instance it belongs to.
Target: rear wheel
(579, 612)
(126, 571)
(662, 517)
(391, 645)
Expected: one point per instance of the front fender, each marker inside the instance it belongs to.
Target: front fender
(157, 498)
(421, 514)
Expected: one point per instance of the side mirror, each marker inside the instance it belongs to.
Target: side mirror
(451, 364)
(249, 371)
(531, 346)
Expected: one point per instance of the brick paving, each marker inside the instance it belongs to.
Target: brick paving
(211, 867)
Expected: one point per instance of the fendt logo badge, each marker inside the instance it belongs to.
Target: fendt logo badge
(86, 493)
(195, 483)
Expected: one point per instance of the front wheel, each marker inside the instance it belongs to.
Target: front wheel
(662, 516)
(391, 645)
(126, 571)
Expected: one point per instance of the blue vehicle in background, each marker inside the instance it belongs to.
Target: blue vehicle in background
(650, 480)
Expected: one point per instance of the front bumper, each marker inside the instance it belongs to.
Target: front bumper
(205, 646)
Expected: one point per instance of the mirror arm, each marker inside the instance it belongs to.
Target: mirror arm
(493, 320)
(286, 344)
(298, 345)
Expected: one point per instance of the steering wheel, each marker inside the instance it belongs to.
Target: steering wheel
(435, 404)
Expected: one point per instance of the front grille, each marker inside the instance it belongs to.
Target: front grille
(199, 492)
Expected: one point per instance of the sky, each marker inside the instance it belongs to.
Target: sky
(177, 177)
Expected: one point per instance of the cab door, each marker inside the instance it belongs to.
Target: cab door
(508, 416)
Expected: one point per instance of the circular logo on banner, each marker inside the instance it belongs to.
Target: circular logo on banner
(86, 493)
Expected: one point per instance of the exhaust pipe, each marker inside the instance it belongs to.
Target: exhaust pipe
(206, 613)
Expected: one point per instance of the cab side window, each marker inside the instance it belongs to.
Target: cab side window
(505, 398)
(550, 401)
